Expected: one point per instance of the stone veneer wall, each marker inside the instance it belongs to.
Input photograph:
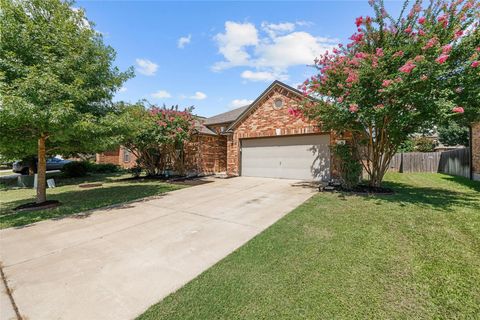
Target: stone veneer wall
(476, 151)
(266, 121)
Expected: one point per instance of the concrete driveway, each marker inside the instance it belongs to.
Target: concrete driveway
(115, 263)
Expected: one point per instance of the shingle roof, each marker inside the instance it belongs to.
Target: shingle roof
(226, 117)
(202, 129)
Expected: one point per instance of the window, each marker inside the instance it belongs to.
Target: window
(278, 103)
(126, 155)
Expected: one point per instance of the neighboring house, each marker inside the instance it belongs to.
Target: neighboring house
(262, 139)
(121, 157)
(475, 151)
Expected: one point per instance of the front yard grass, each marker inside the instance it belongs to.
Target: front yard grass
(75, 199)
(412, 255)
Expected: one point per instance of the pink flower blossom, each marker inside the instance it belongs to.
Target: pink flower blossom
(446, 49)
(339, 99)
(361, 55)
(407, 67)
(430, 43)
(419, 58)
(357, 37)
(387, 83)
(294, 112)
(398, 54)
(458, 109)
(421, 32)
(379, 106)
(477, 49)
(422, 20)
(458, 34)
(475, 64)
(379, 52)
(368, 20)
(358, 21)
(442, 58)
(408, 30)
(443, 19)
(353, 108)
(417, 8)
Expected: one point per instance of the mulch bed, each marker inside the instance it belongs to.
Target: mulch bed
(180, 180)
(362, 189)
(90, 185)
(365, 189)
(33, 206)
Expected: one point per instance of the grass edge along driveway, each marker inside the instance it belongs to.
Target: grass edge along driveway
(415, 254)
(75, 199)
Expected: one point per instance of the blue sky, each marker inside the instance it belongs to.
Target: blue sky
(219, 55)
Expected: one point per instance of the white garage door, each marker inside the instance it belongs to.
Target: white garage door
(305, 157)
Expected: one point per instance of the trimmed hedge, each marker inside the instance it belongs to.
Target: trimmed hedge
(102, 167)
(75, 169)
(82, 168)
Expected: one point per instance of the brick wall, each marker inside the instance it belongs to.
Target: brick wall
(117, 157)
(476, 151)
(265, 121)
(206, 154)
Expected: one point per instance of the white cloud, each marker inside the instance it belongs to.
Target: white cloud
(161, 94)
(258, 75)
(271, 52)
(146, 67)
(198, 96)
(183, 41)
(232, 43)
(122, 89)
(295, 48)
(237, 103)
(277, 28)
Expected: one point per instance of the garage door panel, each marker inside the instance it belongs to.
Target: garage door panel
(294, 157)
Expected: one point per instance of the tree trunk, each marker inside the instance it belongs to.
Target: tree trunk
(41, 171)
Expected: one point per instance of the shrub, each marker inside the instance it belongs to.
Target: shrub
(424, 144)
(349, 167)
(407, 146)
(75, 169)
(101, 167)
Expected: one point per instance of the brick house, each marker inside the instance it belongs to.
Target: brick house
(475, 151)
(261, 139)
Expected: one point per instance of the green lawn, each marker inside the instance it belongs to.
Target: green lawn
(75, 199)
(412, 255)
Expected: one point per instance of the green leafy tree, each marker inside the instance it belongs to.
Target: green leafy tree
(157, 136)
(399, 76)
(423, 144)
(453, 134)
(56, 82)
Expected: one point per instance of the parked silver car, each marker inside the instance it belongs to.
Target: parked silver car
(22, 166)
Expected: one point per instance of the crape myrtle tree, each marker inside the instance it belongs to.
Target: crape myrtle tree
(56, 82)
(399, 76)
(156, 136)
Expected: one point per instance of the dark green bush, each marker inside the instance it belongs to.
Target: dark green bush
(102, 167)
(75, 169)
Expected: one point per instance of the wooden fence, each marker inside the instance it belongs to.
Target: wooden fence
(455, 162)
